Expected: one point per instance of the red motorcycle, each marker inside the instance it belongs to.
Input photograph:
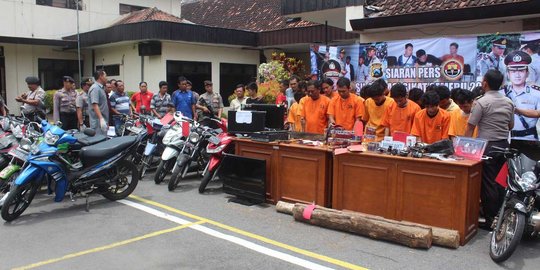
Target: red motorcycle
(217, 145)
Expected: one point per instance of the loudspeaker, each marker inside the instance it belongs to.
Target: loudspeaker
(149, 48)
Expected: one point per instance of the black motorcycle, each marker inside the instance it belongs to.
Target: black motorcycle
(519, 215)
(192, 155)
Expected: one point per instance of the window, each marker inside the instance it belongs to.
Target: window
(51, 72)
(71, 4)
(124, 9)
(230, 75)
(195, 72)
(111, 70)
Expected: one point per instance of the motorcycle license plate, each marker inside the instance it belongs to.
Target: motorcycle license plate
(214, 140)
(17, 153)
(149, 148)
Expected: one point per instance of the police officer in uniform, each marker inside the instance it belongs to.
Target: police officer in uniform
(494, 59)
(33, 100)
(64, 105)
(525, 98)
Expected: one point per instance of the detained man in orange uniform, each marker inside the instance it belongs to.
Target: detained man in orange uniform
(400, 115)
(313, 109)
(375, 107)
(293, 118)
(459, 118)
(328, 88)
(346, 109)
(431, 124)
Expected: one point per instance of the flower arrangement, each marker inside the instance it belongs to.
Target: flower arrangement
(270, 74)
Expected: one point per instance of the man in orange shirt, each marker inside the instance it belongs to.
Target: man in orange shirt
(328, 88)
(431, 124)
(459, 118)
(400, 115)
(346, 109)
(453, 54)
(293, 118)
(313, 109)
(375, 107)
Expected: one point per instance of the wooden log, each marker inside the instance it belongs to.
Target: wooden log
(441, 237)
(284, 207)
(388, 230)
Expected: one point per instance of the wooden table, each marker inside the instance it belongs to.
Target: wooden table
(426, 191)
(294, 172)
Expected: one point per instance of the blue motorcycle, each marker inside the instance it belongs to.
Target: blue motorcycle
(80, 164)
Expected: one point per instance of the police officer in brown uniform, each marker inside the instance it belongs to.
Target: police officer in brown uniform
(493, 114)
(64, 109)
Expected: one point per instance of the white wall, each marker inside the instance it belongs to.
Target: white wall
(21, 61)
(23, 18)
(155, 67)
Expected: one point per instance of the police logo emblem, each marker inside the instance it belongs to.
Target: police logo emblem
(376, 70)
(517, 58)
(452, 70)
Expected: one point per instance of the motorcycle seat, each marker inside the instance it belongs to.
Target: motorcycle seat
(87, 141)
(96, 153)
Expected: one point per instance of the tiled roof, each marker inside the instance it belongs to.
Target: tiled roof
(402, 7)
(149, 14)
(249, 15)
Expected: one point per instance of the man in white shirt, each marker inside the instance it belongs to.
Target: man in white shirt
(240, 99)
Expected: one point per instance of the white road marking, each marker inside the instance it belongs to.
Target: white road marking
(233, 239)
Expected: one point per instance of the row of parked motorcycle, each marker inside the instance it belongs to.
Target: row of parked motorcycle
(36, 153)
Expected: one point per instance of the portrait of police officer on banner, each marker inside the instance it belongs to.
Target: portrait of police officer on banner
(525, 98)
(494, 59)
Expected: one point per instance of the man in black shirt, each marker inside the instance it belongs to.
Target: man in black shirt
(253, 98)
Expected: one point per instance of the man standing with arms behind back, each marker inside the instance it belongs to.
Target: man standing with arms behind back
(98, 109)
(493, 113)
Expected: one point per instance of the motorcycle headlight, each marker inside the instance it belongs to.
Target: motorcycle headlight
(527, 181)
(193, 137)
(50, 138)
(25, 144)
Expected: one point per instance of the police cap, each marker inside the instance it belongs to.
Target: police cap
(32, 80)
(517, 60)
(500, 42)
(68, 79)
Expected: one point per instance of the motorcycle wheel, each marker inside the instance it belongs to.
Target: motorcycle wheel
(161, 171)
(504, 241)
(207, 177)
(177, 175)
(123, 186)
(147, 160)
(18, 200)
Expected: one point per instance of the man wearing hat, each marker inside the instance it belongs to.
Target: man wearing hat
(210, 99)
(495, 59)
(64, 108)
(534, 68)
(81, 102)
(32, 100)
(524, 97)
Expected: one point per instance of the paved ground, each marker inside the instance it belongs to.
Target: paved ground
(157, 229)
